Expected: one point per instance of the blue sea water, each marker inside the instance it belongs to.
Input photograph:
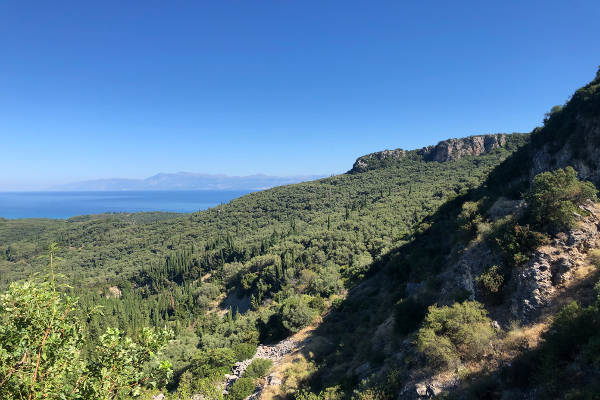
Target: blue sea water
(69, 204)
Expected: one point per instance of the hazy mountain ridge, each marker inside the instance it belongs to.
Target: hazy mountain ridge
(187, 181)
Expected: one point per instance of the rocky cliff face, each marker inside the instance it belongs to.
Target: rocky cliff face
(454, 149)
(446, 150)
(551, 267)
(534, 288)
(582, 153)
(536, 283)
(377, 160)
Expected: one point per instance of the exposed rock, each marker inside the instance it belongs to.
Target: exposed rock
(496, 326)
(274, 353)
(581, 154)
(426, 389)
(550, 267)
(433, 390)
(274, 380)
(534, 287)
(113, 291)
(364, 163)
(473, 261)
(455, 149)
(421, 389)
(382, 340)
(503, 207)
(412, 287)
(256, 395)
(446, 150)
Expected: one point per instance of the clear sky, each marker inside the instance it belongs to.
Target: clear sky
(128, 89)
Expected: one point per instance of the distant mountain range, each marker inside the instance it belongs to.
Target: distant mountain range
(187, 181)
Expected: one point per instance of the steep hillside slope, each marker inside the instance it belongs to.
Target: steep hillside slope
(470, 307)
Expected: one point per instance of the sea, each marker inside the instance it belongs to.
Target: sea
(62, 205)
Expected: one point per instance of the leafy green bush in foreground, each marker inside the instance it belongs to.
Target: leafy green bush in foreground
(41, 350)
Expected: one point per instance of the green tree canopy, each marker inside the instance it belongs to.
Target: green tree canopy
(42, 338)
(554, 197)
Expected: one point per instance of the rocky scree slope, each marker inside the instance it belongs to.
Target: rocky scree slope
(274, 353)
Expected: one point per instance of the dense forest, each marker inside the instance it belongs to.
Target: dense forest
(404, 270)
(271, 260)
(255, 247)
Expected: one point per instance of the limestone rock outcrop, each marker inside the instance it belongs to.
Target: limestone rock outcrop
(444, 151)
(550, 267)
(455, 149)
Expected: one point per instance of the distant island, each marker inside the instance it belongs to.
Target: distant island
(186, 181)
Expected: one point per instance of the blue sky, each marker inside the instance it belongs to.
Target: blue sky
(129, 89)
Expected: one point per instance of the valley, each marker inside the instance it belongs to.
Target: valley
(462, 270)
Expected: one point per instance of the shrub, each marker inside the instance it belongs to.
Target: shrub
(258, 368)
(330, 393)
(213, 361)
(491, 281)
(231, 273)
(408, 315)
(594, 257)
(572, 328)
(208, 388)
(337, 303)
(451, 334)
(469, 218)
(460, 294)
(357, 270)
(516, 242)
(244, 351)
(248, 280)
(184, 386)
(241, 388)
(295, 314)
(42, 342)
(553, 199)
(304, 395)
(317, 303)
(326, 282)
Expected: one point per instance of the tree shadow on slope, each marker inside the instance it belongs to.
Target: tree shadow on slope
(352, 327)
(402, 282)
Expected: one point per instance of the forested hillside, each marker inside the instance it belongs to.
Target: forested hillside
(461, 270)
(347, 220)
(497, 294)
(275, 259)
